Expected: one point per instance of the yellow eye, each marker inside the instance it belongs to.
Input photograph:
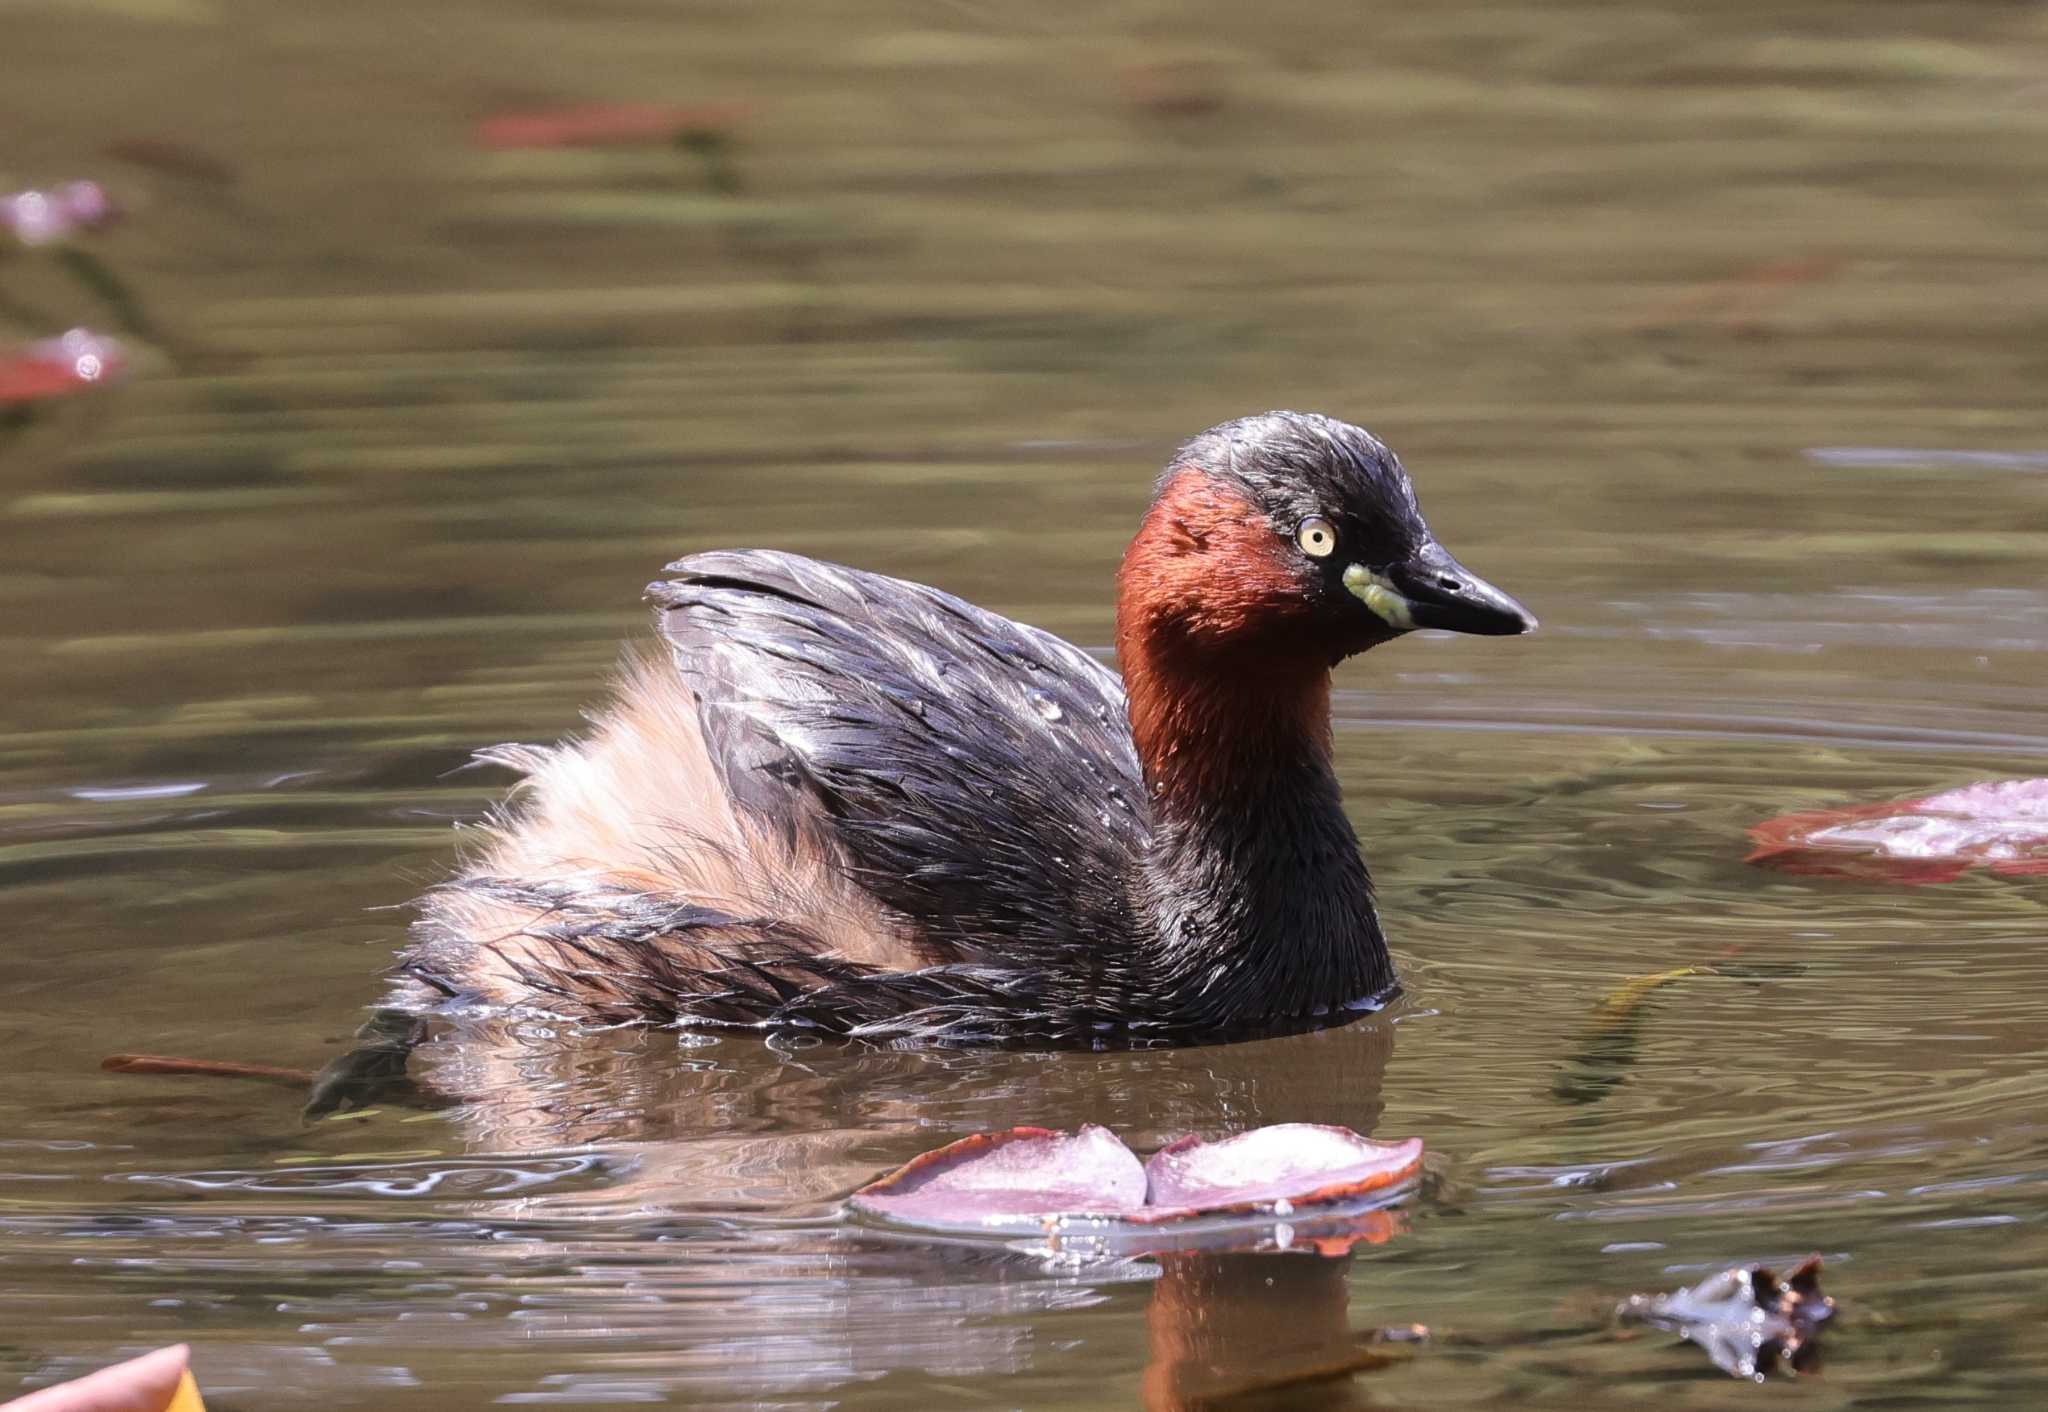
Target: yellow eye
(1317, 537)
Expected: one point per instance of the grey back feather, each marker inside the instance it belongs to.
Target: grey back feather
(979, 773)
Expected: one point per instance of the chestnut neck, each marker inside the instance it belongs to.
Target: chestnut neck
(1256, 904)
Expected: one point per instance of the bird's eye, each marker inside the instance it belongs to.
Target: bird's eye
(1317, 537)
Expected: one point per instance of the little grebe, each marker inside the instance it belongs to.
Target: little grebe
(846, 802)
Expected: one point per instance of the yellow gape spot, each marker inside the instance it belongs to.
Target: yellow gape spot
(1379, 595)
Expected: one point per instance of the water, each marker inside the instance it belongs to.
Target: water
(1714, 334)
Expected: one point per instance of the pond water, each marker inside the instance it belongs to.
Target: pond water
(1697, 327)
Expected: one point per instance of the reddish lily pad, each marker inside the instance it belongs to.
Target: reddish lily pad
(1999, 826)
(59, 367)
(1288, 1165)
(1018, 1179)
(606, 124)
(1037, 1180)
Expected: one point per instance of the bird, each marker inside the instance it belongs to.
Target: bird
(832, 801)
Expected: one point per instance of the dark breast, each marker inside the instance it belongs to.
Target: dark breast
(978, 773)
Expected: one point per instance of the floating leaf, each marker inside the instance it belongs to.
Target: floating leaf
(1745, 1318)
(1999, 826)
(50, 217)
(206, 1068)
(1291, 1165)
(607, 125)
(1088, 1182)
(172, 157)
(58, 367)
(1018, 1179)
(1741, 300)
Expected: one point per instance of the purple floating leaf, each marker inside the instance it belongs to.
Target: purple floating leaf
(47, 217)
(1010, 1180)
(1236, 1193)
(1289, 1164)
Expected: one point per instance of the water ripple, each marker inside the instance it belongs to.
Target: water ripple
(443, 1179)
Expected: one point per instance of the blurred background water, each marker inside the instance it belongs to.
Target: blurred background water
(1716, 333)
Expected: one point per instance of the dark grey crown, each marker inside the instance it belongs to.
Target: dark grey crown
(1296, 464)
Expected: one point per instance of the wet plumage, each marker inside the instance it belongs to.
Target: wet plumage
(846, 801)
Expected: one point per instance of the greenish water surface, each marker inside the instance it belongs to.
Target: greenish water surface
(1649, 297)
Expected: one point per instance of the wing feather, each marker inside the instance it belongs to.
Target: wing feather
(979, 773)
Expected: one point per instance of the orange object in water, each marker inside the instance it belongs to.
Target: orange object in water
(59, 367)
(155, 1382)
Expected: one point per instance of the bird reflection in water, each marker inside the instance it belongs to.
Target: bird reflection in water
(739, 1128)
(740, 1149)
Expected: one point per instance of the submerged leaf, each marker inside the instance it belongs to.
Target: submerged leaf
(607, 124)
(1608, 1046)
(206, 1068)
